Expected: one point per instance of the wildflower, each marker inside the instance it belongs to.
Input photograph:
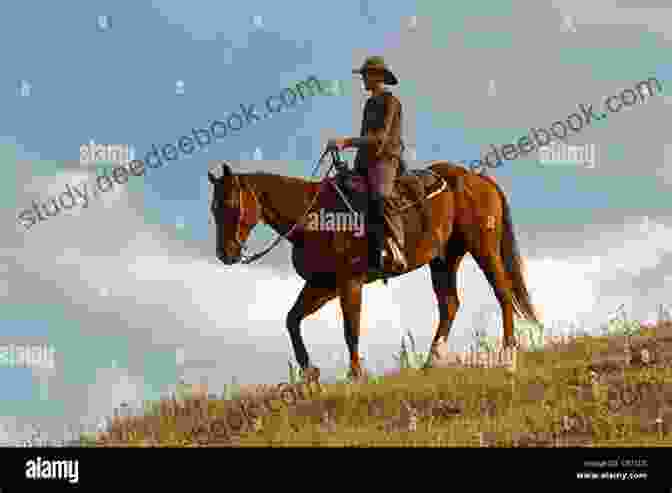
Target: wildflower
(646, 356)
(328, 424)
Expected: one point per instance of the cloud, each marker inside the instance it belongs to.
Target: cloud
(148, 272)
(665, 171)
(9, 431)
(113, 386)
(470, 44)
(44, 189)
(550, 281)
(618, 13)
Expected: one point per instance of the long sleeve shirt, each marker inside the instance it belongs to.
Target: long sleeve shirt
(381, 131)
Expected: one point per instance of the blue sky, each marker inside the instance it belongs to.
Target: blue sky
(122, 282)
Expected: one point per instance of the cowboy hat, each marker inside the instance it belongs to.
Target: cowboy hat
(377, 63)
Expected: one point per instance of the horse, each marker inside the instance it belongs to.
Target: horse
(471, 215)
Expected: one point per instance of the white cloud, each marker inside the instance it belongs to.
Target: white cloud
(561, 290)
(221, 300)
(665, 171)
(112, 387)
(180, 356)
(607, 12)
(44, 189)
(9, 431)
(641, 248)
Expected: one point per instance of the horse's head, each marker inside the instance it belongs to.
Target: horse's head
(236, 210)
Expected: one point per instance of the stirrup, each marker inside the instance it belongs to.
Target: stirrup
(378, 271)
(396, 256)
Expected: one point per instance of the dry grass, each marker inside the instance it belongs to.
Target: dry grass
(608, 391)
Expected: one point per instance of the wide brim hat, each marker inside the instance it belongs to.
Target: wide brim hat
(377, 64)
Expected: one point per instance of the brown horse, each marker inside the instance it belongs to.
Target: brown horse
(471, 216)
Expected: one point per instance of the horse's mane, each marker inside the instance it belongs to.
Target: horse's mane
(295, 179)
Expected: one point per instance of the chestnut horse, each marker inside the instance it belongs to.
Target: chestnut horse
(471, 216)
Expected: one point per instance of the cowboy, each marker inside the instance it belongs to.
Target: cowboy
(379, 152)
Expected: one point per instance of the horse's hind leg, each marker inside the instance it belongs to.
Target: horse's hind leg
(485, 248)
(311, 299)
(444, 283)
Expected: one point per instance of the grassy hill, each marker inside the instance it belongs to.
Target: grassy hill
(599, 391)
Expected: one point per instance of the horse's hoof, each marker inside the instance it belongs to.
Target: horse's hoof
(511, 345)
(359, 376)
(311, 374)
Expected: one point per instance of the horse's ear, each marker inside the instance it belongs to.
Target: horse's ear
(212, 178)
(226, 169)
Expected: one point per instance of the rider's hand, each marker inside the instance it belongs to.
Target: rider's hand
(337, 144)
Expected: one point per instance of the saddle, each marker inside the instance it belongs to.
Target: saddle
(412, 188)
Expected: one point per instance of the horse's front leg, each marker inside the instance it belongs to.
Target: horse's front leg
(350, 293)
(311, 299)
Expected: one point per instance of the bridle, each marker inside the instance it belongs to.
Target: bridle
(260, 216)
(259, 213)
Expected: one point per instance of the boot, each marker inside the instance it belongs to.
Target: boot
(396, 244)
(375, 232)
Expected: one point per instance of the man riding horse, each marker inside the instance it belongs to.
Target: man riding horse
(379, 153)
(467, 214)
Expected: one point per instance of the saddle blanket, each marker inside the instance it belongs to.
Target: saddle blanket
(409, 189)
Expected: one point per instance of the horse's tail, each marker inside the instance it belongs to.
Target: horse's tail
(513, 262)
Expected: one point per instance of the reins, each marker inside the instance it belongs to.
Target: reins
(247, 259)
(251, 258)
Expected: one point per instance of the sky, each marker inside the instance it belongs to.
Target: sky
(119, 287)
